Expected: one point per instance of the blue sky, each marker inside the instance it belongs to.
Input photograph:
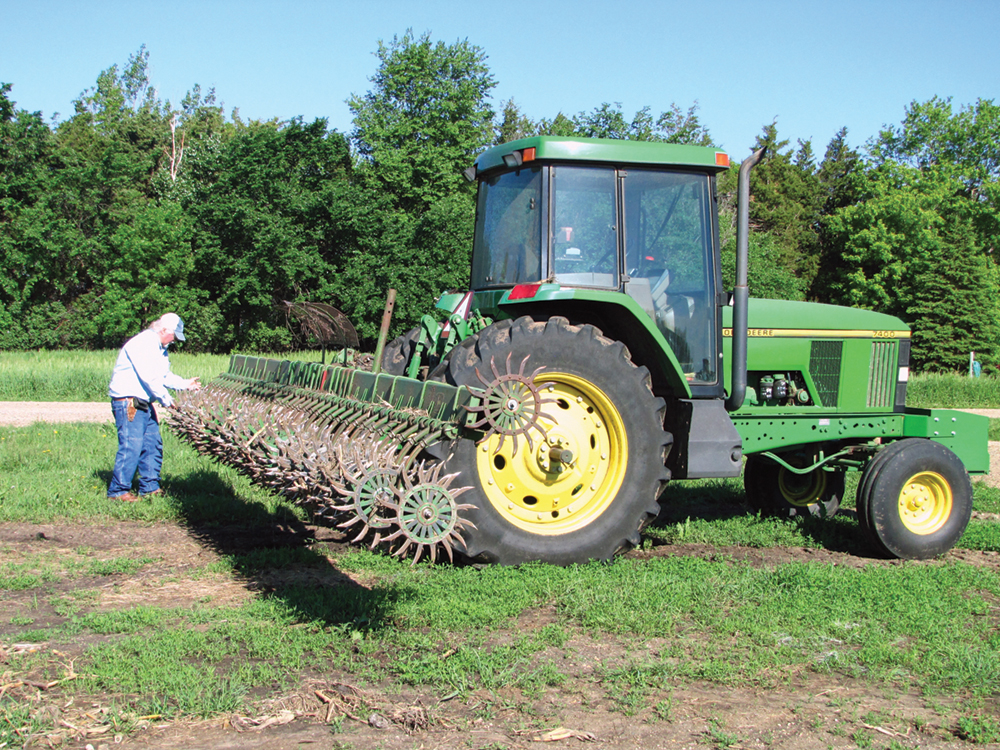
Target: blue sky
(813, 66)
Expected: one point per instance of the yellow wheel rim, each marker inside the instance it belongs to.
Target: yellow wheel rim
(563, 482)
(925, 502)
(802, 490)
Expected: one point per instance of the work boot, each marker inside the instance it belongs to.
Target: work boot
(127, 497)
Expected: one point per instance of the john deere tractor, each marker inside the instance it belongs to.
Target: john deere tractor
(596, 357)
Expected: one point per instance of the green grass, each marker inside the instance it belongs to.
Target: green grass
(437, 627)
(451, 630)
(84, 375)
(61, 473)
(953, 391)
(994, 429)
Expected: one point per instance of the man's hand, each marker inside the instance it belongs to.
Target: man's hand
(194, 384)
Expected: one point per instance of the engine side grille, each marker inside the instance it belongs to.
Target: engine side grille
(882, 370)
(824, 366)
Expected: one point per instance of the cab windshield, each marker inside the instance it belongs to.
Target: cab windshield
(507, 248)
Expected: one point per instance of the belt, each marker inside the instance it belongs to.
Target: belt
(139, 403)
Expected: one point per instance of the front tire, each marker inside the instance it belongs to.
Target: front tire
(774, 490)
(915, 499)
(606, 425)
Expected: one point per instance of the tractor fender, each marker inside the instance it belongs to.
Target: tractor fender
(617, 315)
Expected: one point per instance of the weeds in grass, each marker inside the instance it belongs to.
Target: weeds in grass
(862, 738)
(118, 566)
(664, 709)
(981, 730)
(718, 737)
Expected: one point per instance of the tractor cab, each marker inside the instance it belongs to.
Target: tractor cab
(616, 216)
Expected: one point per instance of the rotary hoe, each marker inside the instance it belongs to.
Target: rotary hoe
(596, 357)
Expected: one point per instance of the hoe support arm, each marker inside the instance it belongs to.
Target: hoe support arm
(741, 292)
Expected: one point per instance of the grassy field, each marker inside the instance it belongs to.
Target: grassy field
(227, 626)
(220, 600)
(83, 376)
(953, 391)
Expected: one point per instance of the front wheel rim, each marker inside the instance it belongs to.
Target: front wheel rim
(536, 488)
(925, 502)
(802, 490)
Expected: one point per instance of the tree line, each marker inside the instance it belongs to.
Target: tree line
(134, 205)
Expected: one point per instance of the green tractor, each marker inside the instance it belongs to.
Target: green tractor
(596, 358)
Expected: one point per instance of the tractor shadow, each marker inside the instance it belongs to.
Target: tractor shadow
(728, 520)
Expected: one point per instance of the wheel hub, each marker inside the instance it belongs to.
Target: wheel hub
(925, 502)
(554, 456)
(570, 476)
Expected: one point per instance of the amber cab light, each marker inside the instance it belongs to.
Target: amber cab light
(721, 159)
(523, 291)
(528, 154)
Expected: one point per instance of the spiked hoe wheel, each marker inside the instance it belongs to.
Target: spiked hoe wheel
(427, 514)
(510, 404)
(370, 482)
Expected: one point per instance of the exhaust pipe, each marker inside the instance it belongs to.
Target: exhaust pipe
(741, 292)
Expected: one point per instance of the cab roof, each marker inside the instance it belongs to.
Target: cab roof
(606, 150)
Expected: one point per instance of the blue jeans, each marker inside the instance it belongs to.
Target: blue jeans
(139, 447)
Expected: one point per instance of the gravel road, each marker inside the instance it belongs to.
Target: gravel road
(23, 413)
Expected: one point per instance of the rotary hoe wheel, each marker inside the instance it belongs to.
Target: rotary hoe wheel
(586, 476)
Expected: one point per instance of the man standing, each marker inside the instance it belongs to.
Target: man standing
(142, 375)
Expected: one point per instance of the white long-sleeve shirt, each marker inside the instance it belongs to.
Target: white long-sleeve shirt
(143, 370)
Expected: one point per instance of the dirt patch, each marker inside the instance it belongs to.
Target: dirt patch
(807, 715)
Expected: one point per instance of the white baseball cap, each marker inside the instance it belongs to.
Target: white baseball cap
(172, 323)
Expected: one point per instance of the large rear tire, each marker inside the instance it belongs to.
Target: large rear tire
(586, 489)
(398, 352)
(915, 499)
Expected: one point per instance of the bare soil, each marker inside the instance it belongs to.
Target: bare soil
(801, 710)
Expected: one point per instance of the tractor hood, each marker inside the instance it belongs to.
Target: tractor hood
(770, 317)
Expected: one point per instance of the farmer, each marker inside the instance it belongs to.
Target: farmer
(142, 375)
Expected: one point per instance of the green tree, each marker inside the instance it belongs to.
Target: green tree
(513, 124)
(262, 204)
(425, 119)
(838, 181)
(27, 163)
(964, 145)
(609, 121)
(955, 306)
(910, 249)
(787, 199)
